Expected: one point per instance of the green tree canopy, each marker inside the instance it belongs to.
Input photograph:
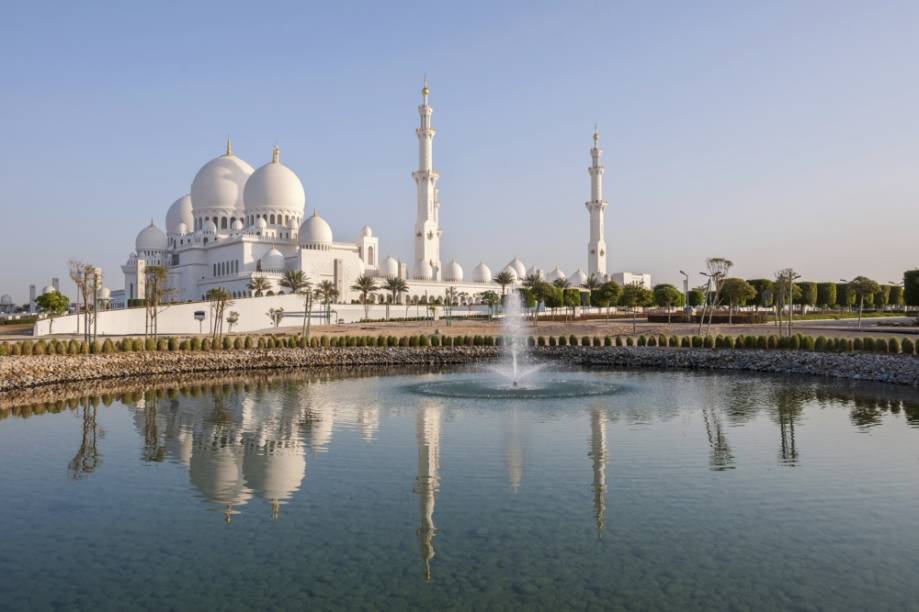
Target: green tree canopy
(826, 294)
(911, 287)
(666, 296)
(635, 295)
(808, 295)
(736, 291)
(696, 297)
(765, 292)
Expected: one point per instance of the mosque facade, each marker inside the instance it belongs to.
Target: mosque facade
(238, 223)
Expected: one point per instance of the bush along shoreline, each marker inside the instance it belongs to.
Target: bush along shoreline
(797, 342)
(883, 360)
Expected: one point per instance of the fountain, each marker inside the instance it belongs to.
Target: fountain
(515, 337)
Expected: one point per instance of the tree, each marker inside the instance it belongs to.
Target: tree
(696, 297)
(492, 299)
(232, 319)
(634, 296)
(610, 292)
(844, 297)
(561, 283)
(786, 292)
(862, 287)
(911, 287)
(826, 295)
(591, 284)
(258, 285)
(275, 315)
(572, 300)
(299, 283)
(808, 295)
(765, 290)
(219, 299)
(327, 293)
(503, 278)
(552, 297)
(396, 287)
(84, 277)
(155, 292)
(896, 295)
(717, 271)
(667, 296)
(366, 286)
(54, 304)
(737, 292)
(882, 297)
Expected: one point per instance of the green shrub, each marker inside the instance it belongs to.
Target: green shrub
(642, 341)
(808, 343)
(15, 349)
(629, 341)
(868, 344)
(585, 341)
(562, 341)
(435, 340)
(795, 342)
(880, 345)
(108, 347)
(172, 344)
(893, 345)
(907, 347)
(540, 341)
(499, 340)
(673, 342)
(424, 341)
(652, 340)
(480, 341)
(729, 342)
(446, 341)
(162, 344)
(239, 343)
(25, 347)
(859, 344)
(686, 342)
(708, 342)
(573, 340)
(491, 340)
(4, 349)
(619, 341)
(772, 342)
(206, 344)
(227, 343)
(607, 341)
(553, 341)
(95, 347)
(719, 341)
(662, 340)
(185, 344)
(762, 342)
(820, 344)
(697, 342)
(73, 347)
(38, 347)
(470, 341)
(403, 341)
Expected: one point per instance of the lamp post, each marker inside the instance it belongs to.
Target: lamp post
(685, 291)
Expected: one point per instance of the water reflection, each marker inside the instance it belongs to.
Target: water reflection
(599, 455)
(427, 482)
(88, 457)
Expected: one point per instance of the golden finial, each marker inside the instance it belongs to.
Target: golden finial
(596, 134)
(229, 147)
(276, 154)
(424, 90)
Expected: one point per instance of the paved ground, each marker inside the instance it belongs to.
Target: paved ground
(845, 327)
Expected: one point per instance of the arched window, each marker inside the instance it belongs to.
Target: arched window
(215, 270)
(232, 221)
(370, 261)
(286, 219)
(271, 219)
(223, 223)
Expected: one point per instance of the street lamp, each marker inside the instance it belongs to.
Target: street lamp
(685, 290)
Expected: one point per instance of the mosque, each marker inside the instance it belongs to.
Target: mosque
(238, 223)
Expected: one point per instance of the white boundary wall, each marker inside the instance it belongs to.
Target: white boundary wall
(179, 319)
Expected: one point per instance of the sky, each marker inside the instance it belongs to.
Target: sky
(774, 134)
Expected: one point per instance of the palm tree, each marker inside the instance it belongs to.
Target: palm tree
(327, 292)
(366, 286)
(396, 287)
(298, 282)
(503, 278)
(562, 283)
(258, 285)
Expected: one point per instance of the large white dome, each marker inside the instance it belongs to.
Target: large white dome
(556, 274)
(151, 238)
(272, 261)
(577, 278)
(423, 270)
(315, 231)
(178, 213)
(219, 184)
(390, 267)
(454, 271)
(512, 271)
(274, 188)
(481, 273)
(518, 267)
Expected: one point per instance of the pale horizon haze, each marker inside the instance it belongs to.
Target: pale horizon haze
(774, 134)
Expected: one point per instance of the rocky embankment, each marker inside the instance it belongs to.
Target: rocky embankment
(32, 371)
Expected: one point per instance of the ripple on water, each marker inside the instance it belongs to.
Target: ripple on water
(493, 388)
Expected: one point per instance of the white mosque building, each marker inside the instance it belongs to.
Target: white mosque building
(237, 223)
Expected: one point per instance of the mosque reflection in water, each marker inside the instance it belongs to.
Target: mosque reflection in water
(241, 444)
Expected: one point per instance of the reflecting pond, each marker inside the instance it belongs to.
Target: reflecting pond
(673, 490)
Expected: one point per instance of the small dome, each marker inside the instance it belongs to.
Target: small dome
(178, 213)
(481, 273)
(6, 299)
(315, 231)
(512, 271)
(272, 260)
(390, 267)
(237, 225)
(534, 271)
(454, 271)
(366, 232)
(274, 187)
(578, 278)
(556, 274)
(181, 229)
(219, 184)
(48, 289)
(105, 293)
(518, 267)
(261, 224)
(423, 270)
(151, 238)
(210, 227)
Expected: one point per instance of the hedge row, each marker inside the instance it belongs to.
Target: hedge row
(126, 345)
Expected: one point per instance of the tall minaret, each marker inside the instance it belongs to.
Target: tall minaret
(427, 434)
(599, 456)
(596, 248)
(427, 230)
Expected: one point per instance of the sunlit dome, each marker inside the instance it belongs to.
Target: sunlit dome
(273, 260)
(556, 274)
(390, 267)
(315, 232)
(512, 271)
(237, 225)
(423, 270)
(366, 232)
(518, 267)
(219, 185)
(577, 278)
(210, 227)
(48, 289)
(454, 271)
(151, 238)
(179, 212)
(261, 224)
(181, 229)
(481, 273)
(534, 271)
(274, 189)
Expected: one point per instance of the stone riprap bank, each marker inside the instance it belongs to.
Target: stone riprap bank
(36, 370)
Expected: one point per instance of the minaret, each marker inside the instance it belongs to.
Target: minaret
(599, 456)
(427, 433)
(427, 230)
(596, 248)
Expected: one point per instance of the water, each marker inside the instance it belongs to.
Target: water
(515, 364)
(669, 491)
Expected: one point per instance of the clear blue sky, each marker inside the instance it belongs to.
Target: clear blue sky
(771, 133)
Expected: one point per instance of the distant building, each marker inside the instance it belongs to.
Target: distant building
(627, 278)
